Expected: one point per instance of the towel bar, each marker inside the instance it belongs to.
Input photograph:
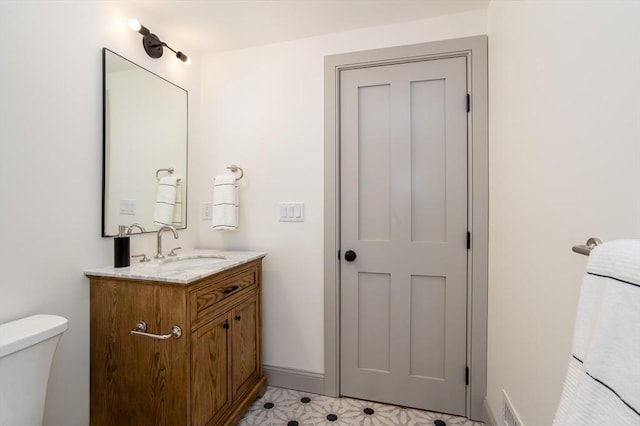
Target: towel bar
(586, 248)
(170, 170)
(234, 169)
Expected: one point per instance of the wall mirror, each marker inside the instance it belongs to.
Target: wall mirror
(144, 141)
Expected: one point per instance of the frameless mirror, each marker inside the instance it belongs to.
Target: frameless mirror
(144, 141)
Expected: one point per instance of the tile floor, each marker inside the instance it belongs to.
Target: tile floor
(284, 407)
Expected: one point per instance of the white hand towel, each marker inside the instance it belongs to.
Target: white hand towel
(165, 201)
(602, 386)
(177, 209)
(225, 203)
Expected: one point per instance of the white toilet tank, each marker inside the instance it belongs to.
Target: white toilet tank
(27, 346)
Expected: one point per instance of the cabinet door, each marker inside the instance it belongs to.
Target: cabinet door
(245, 359)
(211, 388)
(137, 380)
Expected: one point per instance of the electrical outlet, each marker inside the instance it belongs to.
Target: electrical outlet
(206, 213)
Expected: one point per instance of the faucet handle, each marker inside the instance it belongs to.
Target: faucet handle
(143, 256)
(173, 251)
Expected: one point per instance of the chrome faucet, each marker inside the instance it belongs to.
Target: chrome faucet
(135, 225)
(159, 255)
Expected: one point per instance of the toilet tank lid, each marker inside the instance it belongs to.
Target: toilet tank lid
(22, 333)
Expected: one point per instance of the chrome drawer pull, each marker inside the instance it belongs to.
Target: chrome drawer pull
(141, 328)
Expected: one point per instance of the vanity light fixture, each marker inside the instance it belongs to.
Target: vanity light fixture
(152, 44)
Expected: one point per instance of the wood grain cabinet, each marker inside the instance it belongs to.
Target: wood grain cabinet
(207, 376)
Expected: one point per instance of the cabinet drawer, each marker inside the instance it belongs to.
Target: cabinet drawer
(207, 299)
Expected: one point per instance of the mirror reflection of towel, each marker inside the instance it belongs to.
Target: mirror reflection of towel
(225, 203)
(177, 209)
(165, 201)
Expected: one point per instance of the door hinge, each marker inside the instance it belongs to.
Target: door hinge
(468, 102)
(468, 240)
(338, 254)
(466, 376)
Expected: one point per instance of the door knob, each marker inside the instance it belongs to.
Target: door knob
(350, 256)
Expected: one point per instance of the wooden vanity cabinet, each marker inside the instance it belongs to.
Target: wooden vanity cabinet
(208, 376)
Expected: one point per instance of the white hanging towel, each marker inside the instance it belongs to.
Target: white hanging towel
(225, 209)
(177, 208)
(602, 386)
(165, 201)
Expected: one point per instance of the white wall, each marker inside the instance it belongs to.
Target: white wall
(564, 166)
(51, 168)
(262, 108)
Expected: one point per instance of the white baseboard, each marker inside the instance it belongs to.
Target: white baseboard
(489, 417)
(291, 378)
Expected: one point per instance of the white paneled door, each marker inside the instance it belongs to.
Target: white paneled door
(403, 204)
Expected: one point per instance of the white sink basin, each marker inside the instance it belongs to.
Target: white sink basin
(197, 256)
(193, 261)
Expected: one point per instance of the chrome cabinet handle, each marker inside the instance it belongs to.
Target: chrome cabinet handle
(141, 330)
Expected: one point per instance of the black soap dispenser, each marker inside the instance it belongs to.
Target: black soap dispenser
(121, 251)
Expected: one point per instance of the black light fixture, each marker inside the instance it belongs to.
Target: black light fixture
(152, 44)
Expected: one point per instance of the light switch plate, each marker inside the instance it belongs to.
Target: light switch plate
(206, 211)
(128, 207)
(291, 211)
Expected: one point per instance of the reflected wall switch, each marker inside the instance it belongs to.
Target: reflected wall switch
(128, 207)
(206, 211)
(292, 212)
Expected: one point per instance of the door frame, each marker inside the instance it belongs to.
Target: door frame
(475, 50)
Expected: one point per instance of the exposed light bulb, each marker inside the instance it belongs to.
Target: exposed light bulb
(134, 24)
(184, 58)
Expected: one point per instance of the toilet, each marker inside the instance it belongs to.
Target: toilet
(27, 346)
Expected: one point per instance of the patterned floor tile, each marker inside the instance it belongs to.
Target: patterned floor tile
(367, 413)
(275, 403)
(285, 407)
(334, 411)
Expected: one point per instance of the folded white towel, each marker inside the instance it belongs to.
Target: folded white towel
(165, 201)
(603, 379)
(177, 209)
(225, 203)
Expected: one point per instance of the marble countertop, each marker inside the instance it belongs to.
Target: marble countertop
(185, 268)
